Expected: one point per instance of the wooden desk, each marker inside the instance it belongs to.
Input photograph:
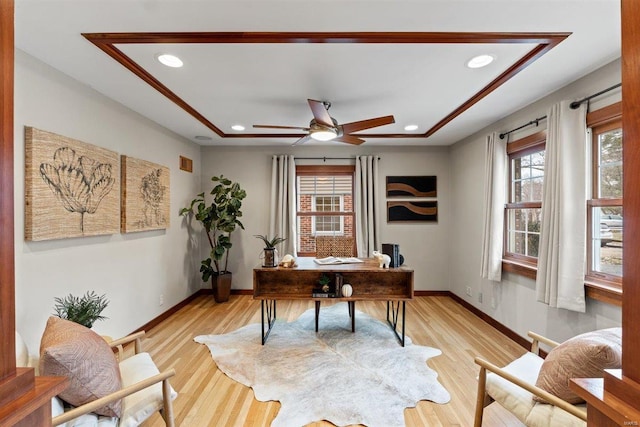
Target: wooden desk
(369, 282)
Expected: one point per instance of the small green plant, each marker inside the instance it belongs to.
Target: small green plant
(269, 243)
(324, 281)
(83, 310)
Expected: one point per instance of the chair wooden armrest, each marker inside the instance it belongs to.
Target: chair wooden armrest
(120, 342)
(550, 398)
(537, 339)
(92, 406)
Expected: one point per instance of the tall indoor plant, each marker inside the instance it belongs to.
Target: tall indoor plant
(219, 219)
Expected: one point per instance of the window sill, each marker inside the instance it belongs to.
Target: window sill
(520, 268)
(605, 292)
(601, 291)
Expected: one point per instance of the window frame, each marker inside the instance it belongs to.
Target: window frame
(599, 122)
(314, 229)
(328, 170)
(522, 264)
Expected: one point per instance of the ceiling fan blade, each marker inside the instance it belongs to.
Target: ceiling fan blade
(320, 112)
(349, 139)
(302, 140)
(280, 127)
(367, 124)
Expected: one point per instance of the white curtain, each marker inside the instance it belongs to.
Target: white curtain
(283, 203)
(495, 184)
(561, 257)
(366, 200)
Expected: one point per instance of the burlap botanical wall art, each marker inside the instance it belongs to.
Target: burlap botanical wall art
(71, 187)
(145, 195)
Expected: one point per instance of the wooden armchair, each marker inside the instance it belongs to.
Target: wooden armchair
(145, 390)
(513, 387)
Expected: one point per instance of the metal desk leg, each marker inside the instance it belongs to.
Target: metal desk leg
(394, 310)
(317, 313)
(352, 310)
(268, 308)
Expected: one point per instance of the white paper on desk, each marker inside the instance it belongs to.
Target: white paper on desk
(336, 260)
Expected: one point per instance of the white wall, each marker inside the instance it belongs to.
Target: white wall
(133, 269)
(425, 246)
(514, 299)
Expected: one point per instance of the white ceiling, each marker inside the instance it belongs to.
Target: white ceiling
(262, 83)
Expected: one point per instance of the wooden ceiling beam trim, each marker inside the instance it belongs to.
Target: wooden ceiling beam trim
(324, 37)
(510, 72)
(136, 69)
(544, 42)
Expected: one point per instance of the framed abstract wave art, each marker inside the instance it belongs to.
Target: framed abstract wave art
(402, 211)
(71, 187)
(412, 186)
(145, 195)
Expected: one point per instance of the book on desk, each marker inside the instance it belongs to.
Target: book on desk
(337, 260)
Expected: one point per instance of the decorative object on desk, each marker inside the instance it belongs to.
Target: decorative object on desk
(219, 219)
(347, 290)
(412, 211)
(288, 261)
(412, 186)
(84, 310)
(383, 259)
(71, 187)
(270, 254)
(144, 195)
(324, 281)
(336, 375)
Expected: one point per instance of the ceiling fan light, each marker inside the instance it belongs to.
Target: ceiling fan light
(324, 135)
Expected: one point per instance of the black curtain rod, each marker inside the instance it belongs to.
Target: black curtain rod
(576, 104)
(324, 159)
(536, 122)
(573, 105)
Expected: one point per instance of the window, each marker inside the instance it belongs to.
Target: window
(522, 211)
(604, 208)
(325, 204)
(328, 225)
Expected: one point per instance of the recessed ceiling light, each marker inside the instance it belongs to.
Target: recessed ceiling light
(202, 138)
(169, 60)
(237, 127)
(480, 61)
(411, 127)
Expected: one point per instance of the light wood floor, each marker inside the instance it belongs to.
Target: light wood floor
(209, 398)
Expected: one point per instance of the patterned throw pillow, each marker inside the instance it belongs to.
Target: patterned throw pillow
(72, 350)
(584, 356)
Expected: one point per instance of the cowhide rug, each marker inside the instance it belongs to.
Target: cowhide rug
(364, 377)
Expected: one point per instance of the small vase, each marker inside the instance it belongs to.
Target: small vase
(270, 257)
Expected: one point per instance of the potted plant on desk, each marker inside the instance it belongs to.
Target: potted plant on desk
(219, 219)
(270, 252)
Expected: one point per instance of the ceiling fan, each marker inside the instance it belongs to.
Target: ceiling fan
(323, 127)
